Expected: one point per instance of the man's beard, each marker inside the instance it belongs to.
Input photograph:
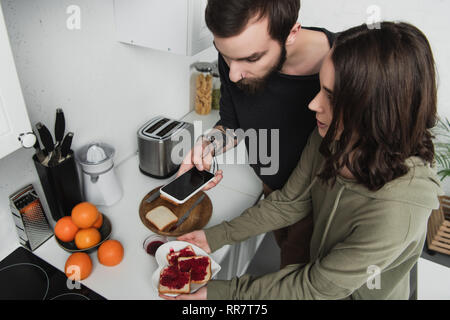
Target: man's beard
(257, 85)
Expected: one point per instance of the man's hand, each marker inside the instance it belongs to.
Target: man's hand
(201, 156)
(201, 294)
(197, 238)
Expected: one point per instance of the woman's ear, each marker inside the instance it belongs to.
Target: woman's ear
(293, 34)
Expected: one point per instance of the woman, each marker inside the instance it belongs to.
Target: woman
(365, 175)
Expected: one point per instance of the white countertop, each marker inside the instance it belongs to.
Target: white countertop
(131, 279)
(238, 190)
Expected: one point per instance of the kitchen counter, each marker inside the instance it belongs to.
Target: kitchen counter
(239, 189)
(131, 279)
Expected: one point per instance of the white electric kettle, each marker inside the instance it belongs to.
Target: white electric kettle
(101, 186)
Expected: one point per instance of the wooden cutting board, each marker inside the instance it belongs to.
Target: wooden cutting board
(198, 218)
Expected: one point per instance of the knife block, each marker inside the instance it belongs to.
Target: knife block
(61, 185)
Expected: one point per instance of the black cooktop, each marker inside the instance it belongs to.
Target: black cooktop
(25, 276)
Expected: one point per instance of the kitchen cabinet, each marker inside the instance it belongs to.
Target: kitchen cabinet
(176, 26)
(432, 281)
(13, 113)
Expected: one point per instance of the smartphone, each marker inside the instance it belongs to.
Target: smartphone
(186, 186)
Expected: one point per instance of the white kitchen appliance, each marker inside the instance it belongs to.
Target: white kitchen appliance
(101, 185)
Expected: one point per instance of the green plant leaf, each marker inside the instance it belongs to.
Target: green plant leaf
(444, 174)
(442, 147)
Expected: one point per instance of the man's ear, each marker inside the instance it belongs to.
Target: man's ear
(293, 34)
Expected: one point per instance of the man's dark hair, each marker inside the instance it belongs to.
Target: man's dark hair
(385, 98)
(228, 18)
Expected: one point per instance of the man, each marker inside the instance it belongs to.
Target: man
(269, 69)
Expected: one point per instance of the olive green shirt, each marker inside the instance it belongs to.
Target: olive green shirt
(364, 243)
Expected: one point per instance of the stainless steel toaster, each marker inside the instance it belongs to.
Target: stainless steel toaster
(162, 144)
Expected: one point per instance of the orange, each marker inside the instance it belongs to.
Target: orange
(110, 253)
(78, 266)
(84, 214)
(98, 223)
(65, 229)
(86, 238)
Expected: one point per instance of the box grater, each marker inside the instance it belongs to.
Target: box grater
(31, 223)
(157, 140)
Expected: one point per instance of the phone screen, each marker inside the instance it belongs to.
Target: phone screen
(183, 186)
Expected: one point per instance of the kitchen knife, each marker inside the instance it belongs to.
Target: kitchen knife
(37, 146)
(38, 128)
(65, 146)
(60, 127)
(47, 142)
(153, 196)
(46, 137)
(186, 215)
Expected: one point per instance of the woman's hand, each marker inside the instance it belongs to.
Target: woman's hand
(201, 294)
(197, 238)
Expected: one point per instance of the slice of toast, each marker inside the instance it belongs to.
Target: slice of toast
(198, 266)
(173, 281)
(161, 217)
(172, 257)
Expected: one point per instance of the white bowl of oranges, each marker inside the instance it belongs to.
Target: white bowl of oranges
(83, 232)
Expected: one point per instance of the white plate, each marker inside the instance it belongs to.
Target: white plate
(161, 258)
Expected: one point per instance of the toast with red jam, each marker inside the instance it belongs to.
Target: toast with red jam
(172, 257)
(174, 281)
(198, 266)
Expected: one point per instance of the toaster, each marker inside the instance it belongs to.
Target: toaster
(157, 140)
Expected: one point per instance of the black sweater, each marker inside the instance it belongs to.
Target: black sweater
(282, 105)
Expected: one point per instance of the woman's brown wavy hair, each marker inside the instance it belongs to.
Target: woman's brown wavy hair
(385, 96)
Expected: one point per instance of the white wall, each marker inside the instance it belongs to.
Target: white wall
(107, 89)
(430, 16)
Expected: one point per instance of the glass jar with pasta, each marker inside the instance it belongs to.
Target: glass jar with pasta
(203, 87)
